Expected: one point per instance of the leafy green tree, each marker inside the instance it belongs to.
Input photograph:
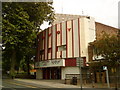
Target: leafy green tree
(108, 47)
(21, 22)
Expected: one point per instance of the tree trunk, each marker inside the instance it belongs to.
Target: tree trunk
(13, 61)
(28, 66)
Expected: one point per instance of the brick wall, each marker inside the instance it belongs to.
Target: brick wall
(102, 28)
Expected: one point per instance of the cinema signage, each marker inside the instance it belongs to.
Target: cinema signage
(52, 63)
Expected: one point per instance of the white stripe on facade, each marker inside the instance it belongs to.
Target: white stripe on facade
(64, 38)
(75, 36)
(53, 42)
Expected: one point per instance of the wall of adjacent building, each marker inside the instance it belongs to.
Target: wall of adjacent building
(87, 33)
(69, 70)
(102, 28)
(39, 74)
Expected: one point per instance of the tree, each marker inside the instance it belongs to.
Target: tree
(20, 26)
(108, 47)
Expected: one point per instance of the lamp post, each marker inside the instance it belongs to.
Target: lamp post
(107, 76)
(119, 37)
(117, 75)
(118, 62)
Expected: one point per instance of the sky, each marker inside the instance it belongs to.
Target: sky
(104, 11)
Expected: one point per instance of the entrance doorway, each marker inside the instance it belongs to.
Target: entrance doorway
(55, 73)
(52, 73)
(46, 73)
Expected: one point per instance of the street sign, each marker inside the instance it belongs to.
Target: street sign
(104, 67)
(80, 62)
(107, 76)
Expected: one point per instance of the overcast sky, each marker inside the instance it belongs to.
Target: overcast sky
(104, 11)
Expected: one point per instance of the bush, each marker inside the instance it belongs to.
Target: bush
(25, 76)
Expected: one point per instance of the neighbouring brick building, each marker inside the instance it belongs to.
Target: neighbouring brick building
(67, 39)
(101, 28)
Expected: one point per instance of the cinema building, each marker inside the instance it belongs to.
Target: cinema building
(60, 46)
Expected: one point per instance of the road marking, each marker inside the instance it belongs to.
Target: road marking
(21, 84)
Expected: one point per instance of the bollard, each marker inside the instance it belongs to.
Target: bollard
(65, 81)
(74, 80)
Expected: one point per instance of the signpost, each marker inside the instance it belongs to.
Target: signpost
(80, 64)
(105, 68)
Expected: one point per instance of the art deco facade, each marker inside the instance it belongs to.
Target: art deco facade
(61, 44)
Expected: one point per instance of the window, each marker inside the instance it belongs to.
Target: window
(49, 50)
(61, 48)
(41, 55)
(41, 51)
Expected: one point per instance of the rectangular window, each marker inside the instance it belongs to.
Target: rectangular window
(57, 49)
(42, 55)
(49, 50)
(61, 48)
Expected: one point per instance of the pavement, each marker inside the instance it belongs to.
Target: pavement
(61, 84)
(49, 83)
(31, 84)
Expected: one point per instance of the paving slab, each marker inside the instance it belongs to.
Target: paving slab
(50, 83)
